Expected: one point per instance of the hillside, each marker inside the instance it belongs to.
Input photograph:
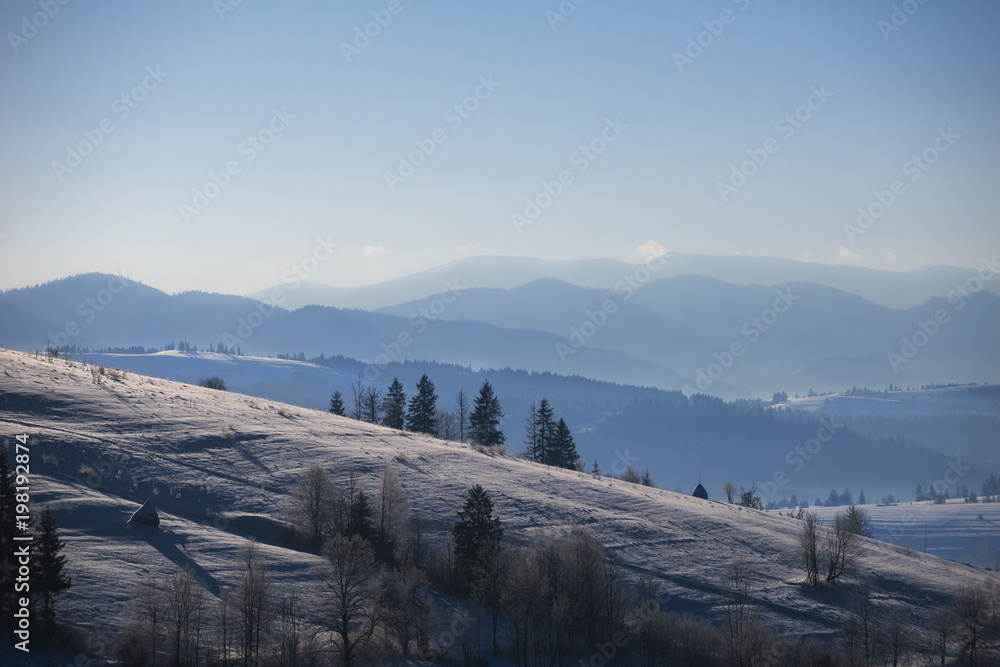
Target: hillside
(219, 466)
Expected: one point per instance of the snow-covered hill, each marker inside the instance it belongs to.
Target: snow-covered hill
(218, 466)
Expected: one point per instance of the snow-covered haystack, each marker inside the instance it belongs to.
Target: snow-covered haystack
(146, 515)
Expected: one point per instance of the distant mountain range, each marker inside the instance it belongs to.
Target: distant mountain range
(887, 288)
(695, 333)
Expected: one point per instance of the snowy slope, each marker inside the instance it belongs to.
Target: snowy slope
(219, 466)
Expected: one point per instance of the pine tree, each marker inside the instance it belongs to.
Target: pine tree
(476, 532)
(563, 450)
(861, 498)
(394, 406)
(337, 404)
(422, 416)
(47, 580)
(485, 418)
(545, 429)
(359, 519)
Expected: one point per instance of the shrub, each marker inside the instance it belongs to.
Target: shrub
(214, 382)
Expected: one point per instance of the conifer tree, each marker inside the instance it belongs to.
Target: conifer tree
(422, 416)
(563, 448)
(337, 404)
(47, 580)
(545, 430)
(477, 532)
(531, 431)
(485, 418)
(359, 519)
(394, 406)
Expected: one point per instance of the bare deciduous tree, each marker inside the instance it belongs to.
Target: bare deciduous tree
(808, 547)
(348, 607)
(446, 427)
(357, 391)
(184, 600)
(741, 612)
(971, 610)
(312, 504)
(295, 640)
(391, 509)
(730, 490)
(252, 602)
(842, 548)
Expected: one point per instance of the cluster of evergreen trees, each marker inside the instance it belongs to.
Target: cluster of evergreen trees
(548, 441)
(479, 422)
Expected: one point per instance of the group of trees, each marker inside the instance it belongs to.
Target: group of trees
(990, 491)
(830, 552)
(548, 441)
(479, 423)
(46, 579)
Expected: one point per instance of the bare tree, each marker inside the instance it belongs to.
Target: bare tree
(730, 490)
(185, 602)
(895, 637)
(252, 602)
(357, 391)
(941, 632)
(149, 613)
(462, 414)
(741, 612)
(842, 548)
(405, 607)
(371, 405)
(312, 504)
(971, 609)
(294, 638)
(750, 498)
(224, 625)
(349, 608)
(391, 509)
(446, 429)
(808, 547)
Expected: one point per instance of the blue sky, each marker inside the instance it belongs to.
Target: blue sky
(278, 72)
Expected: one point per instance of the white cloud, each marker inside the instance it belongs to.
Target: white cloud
(467, 250)
(891, 262)
(845, 256)
(651, 250)
(370, 251)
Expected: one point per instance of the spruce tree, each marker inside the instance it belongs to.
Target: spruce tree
(476, 532)
(394, 406)
(545, 429)
(359, 518)
(337, 404)
(422, 416)
(531, 431)
(563, 448)
(47, 580)
(485, 418)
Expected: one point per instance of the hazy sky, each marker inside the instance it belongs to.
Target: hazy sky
(309, 128)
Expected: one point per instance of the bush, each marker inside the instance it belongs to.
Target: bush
(214, 382)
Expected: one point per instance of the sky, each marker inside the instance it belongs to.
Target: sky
(213, 145)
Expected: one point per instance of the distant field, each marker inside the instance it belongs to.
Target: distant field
(958, 531)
